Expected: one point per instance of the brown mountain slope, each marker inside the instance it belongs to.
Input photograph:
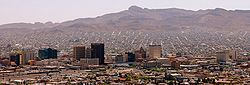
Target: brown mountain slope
(136, 18)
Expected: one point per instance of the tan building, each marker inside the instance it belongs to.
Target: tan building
(79, 52)
(226, 55)
(89, 61)
(155, 51)
(115, 58)
(22, 59)
(233, 55)
(26, 56)
(140, 55)
(222, 56)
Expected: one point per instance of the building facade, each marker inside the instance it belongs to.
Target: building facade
(140, 55)
(97, 51)
(79, 52)
(155, 51)
(222, 56)
(47, 53)
(15, 58)
(130, 56)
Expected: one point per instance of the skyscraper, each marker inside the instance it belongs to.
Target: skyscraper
(47, 53)
(130, 56)
(79, 52)
(15, 58)
(88, 53)
(26, 55)
(97, 51)
(140, 55)
(155, 51)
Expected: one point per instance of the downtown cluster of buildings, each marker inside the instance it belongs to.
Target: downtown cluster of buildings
(22, 57)
(126, 57)
(93, 65)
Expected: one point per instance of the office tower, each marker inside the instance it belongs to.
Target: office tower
(97, 51)
(143, 53)
(30, 55)
(130, 56)
(222, 56)
(15, 58)
(47, 53)
(26, 56)
(88, 53)
(21, 56)
(233, 55)
(140, 55)
(79, 52)
(155, 51)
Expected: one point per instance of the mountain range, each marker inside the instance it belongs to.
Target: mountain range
(144, 19)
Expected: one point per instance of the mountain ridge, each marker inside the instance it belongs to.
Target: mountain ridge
(137, 18)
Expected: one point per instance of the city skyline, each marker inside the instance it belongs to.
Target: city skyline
(29, 11)
(124, 42)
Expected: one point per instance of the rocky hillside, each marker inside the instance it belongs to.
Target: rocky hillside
(137, 18)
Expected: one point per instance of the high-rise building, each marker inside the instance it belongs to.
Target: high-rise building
(88, 53)
(222, 56)
(21, 56)
(155, 51)
(233, 55)
(229, 55)
(130, 56)
(47, 53)
(15, 58)
(97, 51)
(26, 56)
(140, 55)
(30, 55)
(79, 52)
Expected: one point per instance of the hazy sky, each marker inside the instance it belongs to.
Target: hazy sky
(12, 11)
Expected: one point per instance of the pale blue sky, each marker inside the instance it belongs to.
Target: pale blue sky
(30, 11)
